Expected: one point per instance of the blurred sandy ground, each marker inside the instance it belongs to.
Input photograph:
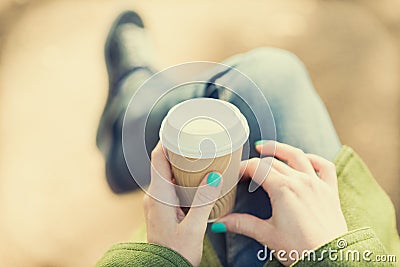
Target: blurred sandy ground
(55, 207)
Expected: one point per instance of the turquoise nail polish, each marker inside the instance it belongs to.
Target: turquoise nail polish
(213, 179)
(218, 227)
(259, 142)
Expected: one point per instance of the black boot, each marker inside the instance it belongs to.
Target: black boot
(126, 52)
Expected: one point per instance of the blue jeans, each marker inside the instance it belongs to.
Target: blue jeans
(301, 120)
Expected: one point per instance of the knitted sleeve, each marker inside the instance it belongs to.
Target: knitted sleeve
(141, 254)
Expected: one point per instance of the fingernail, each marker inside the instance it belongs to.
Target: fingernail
(259, 142)
(213, 179)
(218, 227)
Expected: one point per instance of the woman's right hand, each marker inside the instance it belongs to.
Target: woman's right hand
(306, 209)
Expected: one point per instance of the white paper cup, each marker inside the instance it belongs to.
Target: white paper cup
(203, 135)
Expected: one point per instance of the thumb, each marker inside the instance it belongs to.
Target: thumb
(207, 193)
(248, 225)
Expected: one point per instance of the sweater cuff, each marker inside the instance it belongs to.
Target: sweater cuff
(359, 247)
(141, 254)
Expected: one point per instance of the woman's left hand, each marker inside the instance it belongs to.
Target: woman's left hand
(166, 223)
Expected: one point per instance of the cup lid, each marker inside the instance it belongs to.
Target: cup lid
(204, 128)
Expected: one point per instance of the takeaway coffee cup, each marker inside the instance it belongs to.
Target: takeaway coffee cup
(203, 135)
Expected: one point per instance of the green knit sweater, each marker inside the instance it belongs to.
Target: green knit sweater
(369, 214)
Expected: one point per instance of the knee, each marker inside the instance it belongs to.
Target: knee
(274, 56)
(273, 65)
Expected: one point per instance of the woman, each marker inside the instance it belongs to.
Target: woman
(305, 212)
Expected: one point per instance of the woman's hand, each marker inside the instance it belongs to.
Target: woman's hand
(166, 223)
(306, 210)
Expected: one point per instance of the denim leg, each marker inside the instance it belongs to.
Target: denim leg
(301, 120)
(122, 121)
